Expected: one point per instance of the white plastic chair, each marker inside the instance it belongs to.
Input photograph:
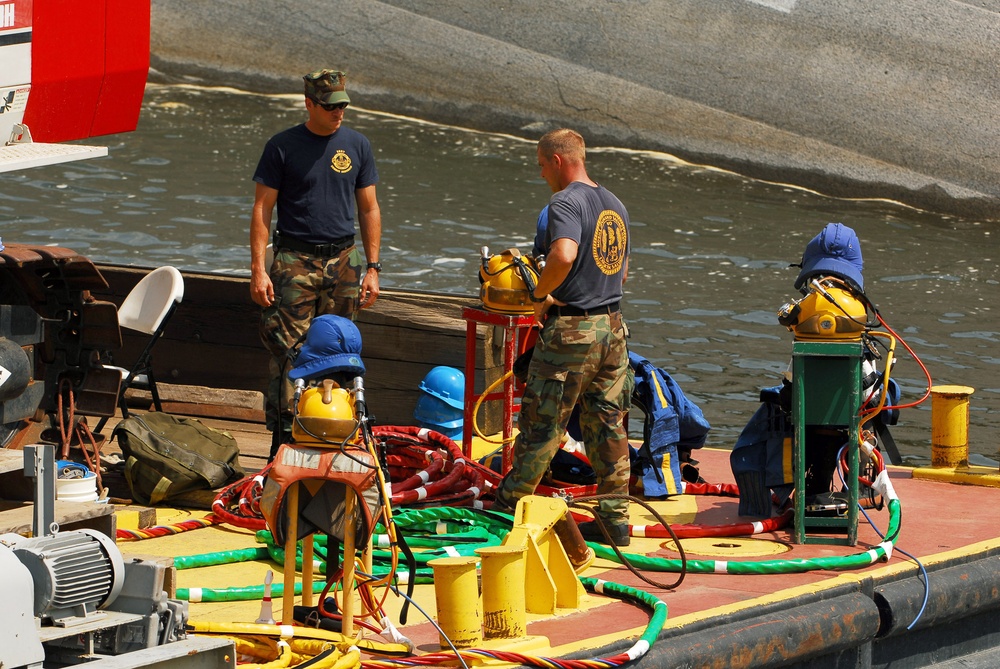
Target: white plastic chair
(147, 308)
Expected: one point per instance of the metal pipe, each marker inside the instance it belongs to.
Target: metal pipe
(579, 553)
(950, 426)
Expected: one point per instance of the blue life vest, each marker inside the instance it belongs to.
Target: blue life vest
(673, 425)
(761, 460)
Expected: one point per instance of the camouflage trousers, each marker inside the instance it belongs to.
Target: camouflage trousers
(576, 359)
(305, 286)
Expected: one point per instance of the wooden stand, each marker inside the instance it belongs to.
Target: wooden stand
(350, 556)
(826, 382)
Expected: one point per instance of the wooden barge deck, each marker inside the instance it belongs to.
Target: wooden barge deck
(892, 614)
(810, 618)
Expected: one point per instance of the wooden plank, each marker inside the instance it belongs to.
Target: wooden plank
(11, 460)
(214, 411)
(225, 403)
(244, 399)
(16, 517)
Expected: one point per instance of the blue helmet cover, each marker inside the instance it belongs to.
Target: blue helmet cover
(333, 344)
(835, 251)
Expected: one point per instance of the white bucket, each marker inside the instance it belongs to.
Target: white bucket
(76, 489)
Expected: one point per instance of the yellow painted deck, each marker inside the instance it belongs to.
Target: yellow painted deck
(944, 524)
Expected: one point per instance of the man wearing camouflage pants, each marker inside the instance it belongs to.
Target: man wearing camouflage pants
(581, 354)
(314, 173)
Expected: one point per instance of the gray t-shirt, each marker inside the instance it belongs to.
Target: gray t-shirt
(598, 222)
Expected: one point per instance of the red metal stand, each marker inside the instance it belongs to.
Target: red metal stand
(516, 329)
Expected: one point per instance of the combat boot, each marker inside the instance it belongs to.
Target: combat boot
(591, 531)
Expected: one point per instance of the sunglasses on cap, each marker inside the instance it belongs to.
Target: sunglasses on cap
(330, 107)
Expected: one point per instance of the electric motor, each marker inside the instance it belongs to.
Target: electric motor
(74, 573)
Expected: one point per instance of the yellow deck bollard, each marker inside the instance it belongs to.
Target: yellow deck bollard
(550, 579)
(504, 615)
(456, 592)
(950, 426)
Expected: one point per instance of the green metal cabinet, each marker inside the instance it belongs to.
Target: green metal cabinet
(826, 392)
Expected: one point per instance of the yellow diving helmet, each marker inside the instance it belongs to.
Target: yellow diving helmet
(325, 415)
(827, 312)
(507, 281)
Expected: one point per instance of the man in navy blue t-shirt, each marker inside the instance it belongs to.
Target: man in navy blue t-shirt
(320, 175)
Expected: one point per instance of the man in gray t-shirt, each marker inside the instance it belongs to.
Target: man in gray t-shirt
(581, 354)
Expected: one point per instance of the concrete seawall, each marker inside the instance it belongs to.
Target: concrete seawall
(897, 99)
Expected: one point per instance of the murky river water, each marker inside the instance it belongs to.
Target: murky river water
(710, 249)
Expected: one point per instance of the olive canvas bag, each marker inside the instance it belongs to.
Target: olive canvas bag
(167, 456)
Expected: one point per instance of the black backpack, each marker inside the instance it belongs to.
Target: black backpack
(167, 456)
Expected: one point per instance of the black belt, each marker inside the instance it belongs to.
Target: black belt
(323, 250)
(612, 308)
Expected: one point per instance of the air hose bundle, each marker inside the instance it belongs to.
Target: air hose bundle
(428, 469)
(239, 503)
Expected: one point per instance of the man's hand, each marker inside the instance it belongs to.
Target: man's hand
(542, 308)
(262, 290)
(369, 290)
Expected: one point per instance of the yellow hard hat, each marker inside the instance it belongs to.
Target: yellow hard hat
(325, 415)
(505, 279)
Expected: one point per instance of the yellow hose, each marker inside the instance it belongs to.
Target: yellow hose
(295, 631)
(475, 412)
(310, 647)
(283, 660)
(329, 657)
(348, 660)
(258, 647)
(885, 376)
(289, 654)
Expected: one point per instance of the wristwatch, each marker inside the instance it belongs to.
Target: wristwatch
(537, 299)
(377, 266)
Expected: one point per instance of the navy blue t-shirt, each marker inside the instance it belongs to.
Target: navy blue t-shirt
(598, 222)
(316, 177)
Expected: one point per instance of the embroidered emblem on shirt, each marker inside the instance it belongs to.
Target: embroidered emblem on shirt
(610, 239)
(341, 162)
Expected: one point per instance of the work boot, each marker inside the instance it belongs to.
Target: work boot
(502, 506)
(502, 503)
(591, 531)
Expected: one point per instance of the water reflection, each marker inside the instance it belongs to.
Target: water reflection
(711, 250)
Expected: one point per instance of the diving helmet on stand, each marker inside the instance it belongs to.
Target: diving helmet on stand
(330, 363)
(327, 453)
(441, 404)
(834, 306)
(507, 281)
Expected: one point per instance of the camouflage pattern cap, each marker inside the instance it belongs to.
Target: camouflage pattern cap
(326, 86)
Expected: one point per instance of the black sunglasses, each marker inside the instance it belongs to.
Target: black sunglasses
(330, 107)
